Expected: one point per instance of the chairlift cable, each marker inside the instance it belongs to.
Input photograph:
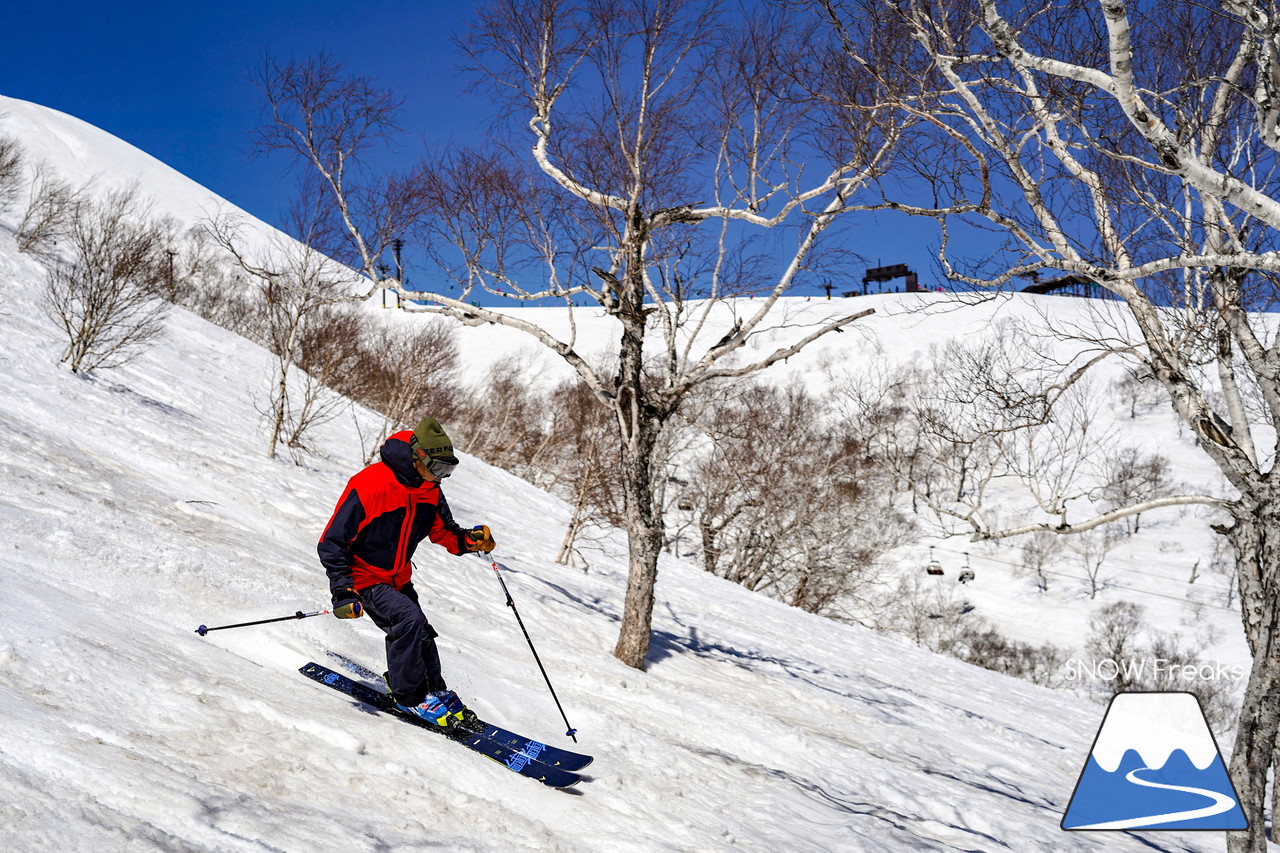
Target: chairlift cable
(1182, 600)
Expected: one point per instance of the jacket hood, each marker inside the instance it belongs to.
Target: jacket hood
(397, 456)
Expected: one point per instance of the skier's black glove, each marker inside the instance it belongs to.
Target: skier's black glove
(479, 538)
(346, 604)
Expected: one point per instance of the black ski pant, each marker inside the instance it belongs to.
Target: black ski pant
(413, 663)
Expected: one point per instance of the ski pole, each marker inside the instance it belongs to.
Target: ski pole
(572, 732)
(204, 629)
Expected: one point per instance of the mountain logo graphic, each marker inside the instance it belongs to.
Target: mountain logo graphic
(1154, 765)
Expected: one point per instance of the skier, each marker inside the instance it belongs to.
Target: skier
(366, 548)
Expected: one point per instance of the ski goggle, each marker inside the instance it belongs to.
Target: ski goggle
(439, 466)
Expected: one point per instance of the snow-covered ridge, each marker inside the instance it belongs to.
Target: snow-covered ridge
(80, 153)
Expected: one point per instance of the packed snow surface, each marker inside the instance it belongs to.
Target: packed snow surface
(138, 504)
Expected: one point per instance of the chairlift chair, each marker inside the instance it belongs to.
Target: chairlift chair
(966, 574)
(934, 567)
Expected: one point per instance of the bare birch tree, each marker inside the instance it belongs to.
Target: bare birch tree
(1134, 148)
(335, 125)
(650, 142)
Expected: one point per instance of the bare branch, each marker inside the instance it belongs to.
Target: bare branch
(1105, 518)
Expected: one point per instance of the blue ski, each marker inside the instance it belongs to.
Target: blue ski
(553, 756)
(506, 755)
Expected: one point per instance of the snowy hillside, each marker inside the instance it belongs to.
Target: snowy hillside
(138, 505)
(1151, 568)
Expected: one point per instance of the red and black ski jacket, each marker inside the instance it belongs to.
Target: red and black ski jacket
(386, 510)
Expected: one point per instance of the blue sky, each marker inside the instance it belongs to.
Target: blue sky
(173, 79)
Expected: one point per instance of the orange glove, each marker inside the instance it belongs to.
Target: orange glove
(478, 538)
(346, 604)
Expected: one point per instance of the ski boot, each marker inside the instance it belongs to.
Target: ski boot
(444, 709)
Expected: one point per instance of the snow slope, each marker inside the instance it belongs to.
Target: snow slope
(138, 505)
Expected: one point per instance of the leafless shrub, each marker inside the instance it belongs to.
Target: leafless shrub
(983, 645)
(505, 419)
(187, 256)
(931, 615)
(328, 349)
(584, 468)
(788, 501)
(12, 161)
(104, 296)
(209, 282)
(1186, 669)
(1114, 635)
(934, 615)
(401, 371)
(298, 325)
(52, 205)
